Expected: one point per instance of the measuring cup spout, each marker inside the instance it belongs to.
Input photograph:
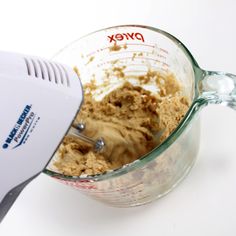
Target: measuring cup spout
(218, 88)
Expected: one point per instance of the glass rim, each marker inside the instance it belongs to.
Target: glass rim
(154, 153)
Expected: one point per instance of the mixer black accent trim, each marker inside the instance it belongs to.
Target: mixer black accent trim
(11, 196)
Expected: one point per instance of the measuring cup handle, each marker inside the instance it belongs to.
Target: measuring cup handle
(218, 88)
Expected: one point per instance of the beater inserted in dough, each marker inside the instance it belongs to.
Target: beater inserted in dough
(98, 144)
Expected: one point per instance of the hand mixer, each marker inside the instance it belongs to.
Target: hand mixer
(39, 100)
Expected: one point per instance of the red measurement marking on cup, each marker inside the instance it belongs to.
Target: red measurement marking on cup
(141, 72)
(121, 45)
(165, 64)
(142, 53)
(130, 58)
(138, 44)
(156, 51)
(163, 50)
(135, 51)
(165, 70)
(75, 184)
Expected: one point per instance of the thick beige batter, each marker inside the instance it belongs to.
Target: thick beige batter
(132, 122)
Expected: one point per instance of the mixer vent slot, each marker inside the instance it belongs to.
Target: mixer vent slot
(48, 71)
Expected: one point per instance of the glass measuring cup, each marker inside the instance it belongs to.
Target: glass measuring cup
(138, 49)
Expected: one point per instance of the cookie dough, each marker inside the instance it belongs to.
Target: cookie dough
(130, 119)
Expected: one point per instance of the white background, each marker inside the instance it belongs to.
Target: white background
(205, 202)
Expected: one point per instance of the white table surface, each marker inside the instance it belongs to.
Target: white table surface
(205, 202)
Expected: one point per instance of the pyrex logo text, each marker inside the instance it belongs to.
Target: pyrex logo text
(128, 36)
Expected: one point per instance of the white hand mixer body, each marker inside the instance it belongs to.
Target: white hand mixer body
(39, 100)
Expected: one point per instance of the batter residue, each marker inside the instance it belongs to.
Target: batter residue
(132, 122)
